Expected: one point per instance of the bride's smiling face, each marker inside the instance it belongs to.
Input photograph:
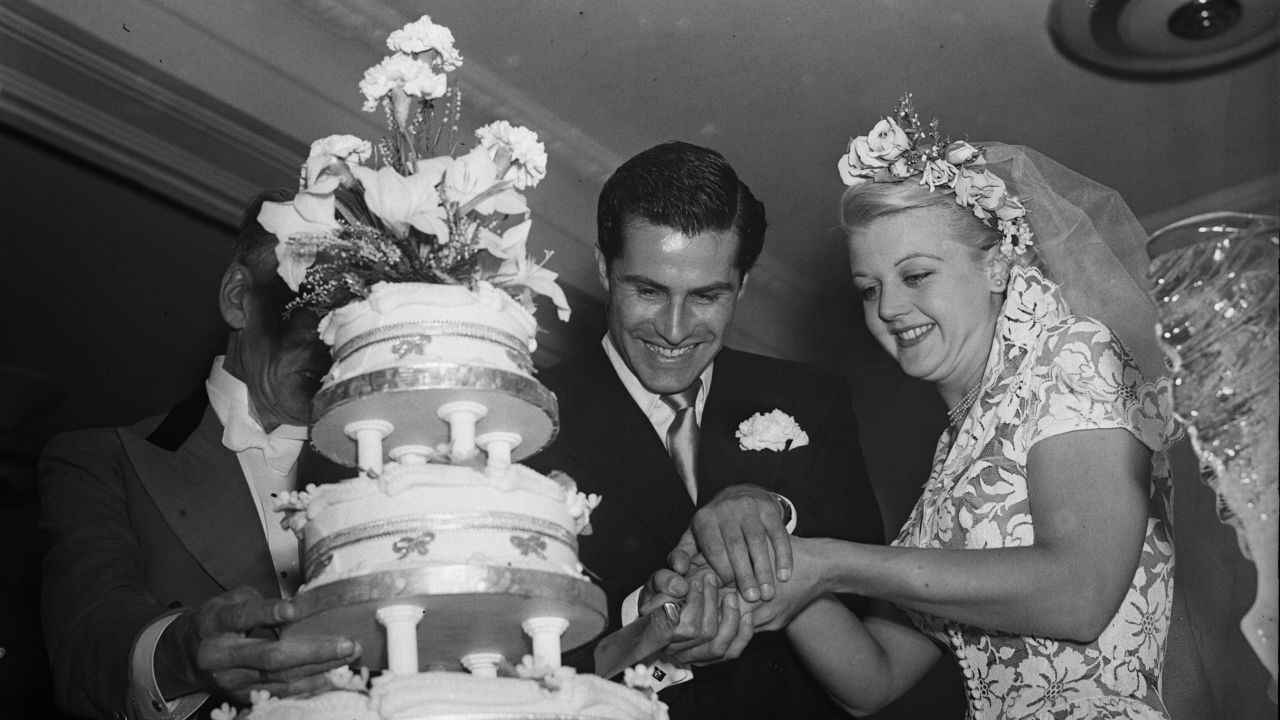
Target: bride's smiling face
(929, 299)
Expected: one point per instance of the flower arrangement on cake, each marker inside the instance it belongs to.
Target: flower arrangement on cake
(415, 207)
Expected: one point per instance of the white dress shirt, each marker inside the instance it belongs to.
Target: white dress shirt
(269, 462)
(659, 413)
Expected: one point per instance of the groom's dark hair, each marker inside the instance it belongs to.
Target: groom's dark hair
(683, 187)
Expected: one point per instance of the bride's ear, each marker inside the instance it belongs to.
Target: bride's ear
(997, 271)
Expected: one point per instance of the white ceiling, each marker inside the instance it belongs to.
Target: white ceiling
(207, 101)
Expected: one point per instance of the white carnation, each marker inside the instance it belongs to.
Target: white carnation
(423, 35)
(401, 72)
(528, 155)
(774, 430)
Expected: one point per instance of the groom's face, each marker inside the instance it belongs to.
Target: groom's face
(671, 301)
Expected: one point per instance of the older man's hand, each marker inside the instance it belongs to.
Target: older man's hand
(742, 534)
(209, 648)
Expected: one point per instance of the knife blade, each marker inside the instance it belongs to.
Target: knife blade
(636, 642)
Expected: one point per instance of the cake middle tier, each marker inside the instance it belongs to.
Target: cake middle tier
(467, 609)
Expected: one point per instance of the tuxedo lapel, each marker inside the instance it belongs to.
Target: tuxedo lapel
(610, 434)
(736, 394)
(202, 494)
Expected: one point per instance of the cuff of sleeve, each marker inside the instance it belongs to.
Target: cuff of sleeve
(631, 607)
(789, 514)
(668, 672)
(148, 703)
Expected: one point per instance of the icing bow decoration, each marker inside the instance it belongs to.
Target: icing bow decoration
(774, 430)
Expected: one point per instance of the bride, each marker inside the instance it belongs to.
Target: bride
(1040, 552)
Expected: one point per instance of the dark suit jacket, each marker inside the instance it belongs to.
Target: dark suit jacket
(609, 447)
(141, 520)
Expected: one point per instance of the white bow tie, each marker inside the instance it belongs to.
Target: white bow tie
(280, 447)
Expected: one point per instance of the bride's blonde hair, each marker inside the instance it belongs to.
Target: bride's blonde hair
(865, 202)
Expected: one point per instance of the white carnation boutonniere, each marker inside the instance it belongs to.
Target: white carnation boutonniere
(774, 430)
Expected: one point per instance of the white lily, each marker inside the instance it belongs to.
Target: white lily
(510, 244)
(521, 271)
(472, 182)
(305, 215)
(402, 201)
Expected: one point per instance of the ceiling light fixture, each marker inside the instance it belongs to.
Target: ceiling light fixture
(1164, 37)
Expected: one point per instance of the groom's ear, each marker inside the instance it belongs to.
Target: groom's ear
(742, 287)
(602, 269)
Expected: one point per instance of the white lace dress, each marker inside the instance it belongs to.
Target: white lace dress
(1049, 373)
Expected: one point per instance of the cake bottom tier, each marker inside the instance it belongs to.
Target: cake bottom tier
(458, 696)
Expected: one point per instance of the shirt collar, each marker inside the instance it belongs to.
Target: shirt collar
(649, 401)
(229, 397)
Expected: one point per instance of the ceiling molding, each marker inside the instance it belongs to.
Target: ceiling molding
(53, 81)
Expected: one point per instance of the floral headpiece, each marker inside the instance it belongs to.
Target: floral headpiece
(899, 148)
(405, 211)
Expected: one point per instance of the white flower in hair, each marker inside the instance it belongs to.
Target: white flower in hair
(899, 148)
(774, 430)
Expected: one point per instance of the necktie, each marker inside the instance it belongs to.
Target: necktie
(280, 448)
(682, 436)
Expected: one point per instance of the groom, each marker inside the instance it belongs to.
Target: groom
(653, 421)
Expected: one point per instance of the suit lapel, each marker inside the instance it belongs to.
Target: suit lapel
(608, 432)
(201, 491)
(736, 394)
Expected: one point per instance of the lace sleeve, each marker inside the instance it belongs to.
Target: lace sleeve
(1086, 379)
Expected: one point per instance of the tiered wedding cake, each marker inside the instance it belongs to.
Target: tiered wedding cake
(455, 568)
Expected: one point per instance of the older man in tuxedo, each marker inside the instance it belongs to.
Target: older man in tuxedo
(167, 571)
(652, 420)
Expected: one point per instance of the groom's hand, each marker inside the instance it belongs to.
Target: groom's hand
(742, 535)
(712, 626)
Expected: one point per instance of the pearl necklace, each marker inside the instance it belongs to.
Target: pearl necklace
(958, 411)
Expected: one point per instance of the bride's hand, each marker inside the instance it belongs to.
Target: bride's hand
(795, 595)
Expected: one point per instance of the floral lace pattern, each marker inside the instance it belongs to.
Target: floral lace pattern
(1050, 373)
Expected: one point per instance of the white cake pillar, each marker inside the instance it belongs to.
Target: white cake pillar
(401, 622)
(462, 416)
(546, 632)
(498, 446)
(482, 664)
(412, 455)
(368, 435)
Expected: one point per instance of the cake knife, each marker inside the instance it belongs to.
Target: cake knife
(636, 642)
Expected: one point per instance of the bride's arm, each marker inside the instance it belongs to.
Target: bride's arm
(1088, 494)
(863, 664)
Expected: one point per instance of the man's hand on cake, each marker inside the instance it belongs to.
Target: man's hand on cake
(216, 652)
(743, 534)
